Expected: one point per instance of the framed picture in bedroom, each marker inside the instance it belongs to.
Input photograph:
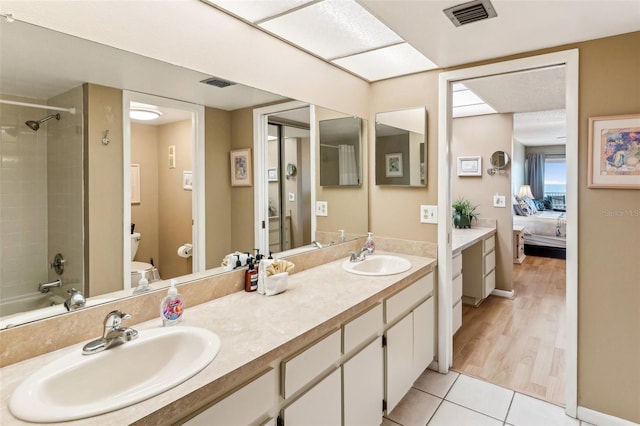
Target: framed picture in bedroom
(614, 152)
(470, 166)
(241, 167)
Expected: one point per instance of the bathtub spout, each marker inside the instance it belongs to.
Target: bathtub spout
(45, 287)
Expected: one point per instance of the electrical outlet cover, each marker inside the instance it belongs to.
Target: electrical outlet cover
(322, 208)
(428, 214)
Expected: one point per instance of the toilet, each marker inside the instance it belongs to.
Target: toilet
(141, 269)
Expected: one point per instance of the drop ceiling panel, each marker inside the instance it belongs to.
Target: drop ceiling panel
(314, 28)
(256, 10)
(388, 62)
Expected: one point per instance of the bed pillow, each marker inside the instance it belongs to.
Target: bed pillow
(539, 205)
(520, 207)
(530, 205)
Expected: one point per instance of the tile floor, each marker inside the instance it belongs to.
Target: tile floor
(458, 400)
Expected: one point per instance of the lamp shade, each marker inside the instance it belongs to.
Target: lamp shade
(525, 191)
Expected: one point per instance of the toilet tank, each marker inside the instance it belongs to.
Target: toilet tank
(135, 241)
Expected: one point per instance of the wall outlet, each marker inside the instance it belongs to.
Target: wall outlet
(428, 214)
(499, 201)
(292, 196)
(322, 208)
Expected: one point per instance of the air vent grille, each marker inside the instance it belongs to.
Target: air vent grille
(473, 11)
(217, 82)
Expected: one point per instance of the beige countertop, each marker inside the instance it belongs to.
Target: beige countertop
(255, 331)
(464, 238)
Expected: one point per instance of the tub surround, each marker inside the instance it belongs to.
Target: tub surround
(256, 333)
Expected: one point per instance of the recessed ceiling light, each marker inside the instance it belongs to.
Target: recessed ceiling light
(144, 114)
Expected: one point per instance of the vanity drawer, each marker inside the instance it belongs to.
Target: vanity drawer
(360, 329)
(456, 268)
(489, 244)
(489, 283)
(300, 369)
(401, 302)
(489, 262)
(457, 316)
(456, 289)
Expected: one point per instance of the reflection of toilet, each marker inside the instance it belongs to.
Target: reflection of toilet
(140, 269)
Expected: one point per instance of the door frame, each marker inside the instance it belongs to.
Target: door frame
(568, 58)
(198, 191)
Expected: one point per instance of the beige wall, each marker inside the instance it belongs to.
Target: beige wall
(144, 151)
(395, 212)
(174, 202)
(482, 136)
(103, 189)
(217, 185)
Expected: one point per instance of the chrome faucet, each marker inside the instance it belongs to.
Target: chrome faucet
(113, 334)
(45, 287)
(359, 257)
(75, 300)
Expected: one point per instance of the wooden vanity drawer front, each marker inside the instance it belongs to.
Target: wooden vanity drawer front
(304, 367)
(457, 265)
(456, 289)
(360, 329)
(489, 283)
(401, 302)
(457, 316)
(489, 244)
(489, 262)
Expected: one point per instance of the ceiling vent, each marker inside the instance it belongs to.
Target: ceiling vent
(472, 11)
(217, 82)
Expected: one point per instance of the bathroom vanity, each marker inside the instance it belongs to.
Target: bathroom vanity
(315, 350)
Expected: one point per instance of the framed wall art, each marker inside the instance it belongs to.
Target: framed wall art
(614, 152)
(470, 166)
(393, 165)
(241, 167)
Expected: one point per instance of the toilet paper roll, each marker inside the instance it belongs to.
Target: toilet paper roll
(185, 250)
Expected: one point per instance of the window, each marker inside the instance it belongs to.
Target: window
(555, 181)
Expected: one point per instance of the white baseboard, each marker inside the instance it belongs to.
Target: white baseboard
(602, 419)
(503, 293)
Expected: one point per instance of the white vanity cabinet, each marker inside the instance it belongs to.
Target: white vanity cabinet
(247, 405)
(478, 269)
(456, 292)
(320, 405)
(410, 338)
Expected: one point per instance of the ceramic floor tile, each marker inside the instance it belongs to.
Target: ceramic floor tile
(435, 383)
(387, 422)
(586, 424)
(481, 396)
(449, 414)
(416, 408)
(527, 411)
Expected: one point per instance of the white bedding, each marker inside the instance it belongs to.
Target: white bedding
(545, 228)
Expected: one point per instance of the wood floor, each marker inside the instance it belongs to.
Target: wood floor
(519, 344)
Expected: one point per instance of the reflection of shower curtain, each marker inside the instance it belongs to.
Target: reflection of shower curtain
(347, 165)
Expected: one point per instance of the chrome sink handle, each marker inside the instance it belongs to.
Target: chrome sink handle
(358, 257)
(113, 335)
(114, 319)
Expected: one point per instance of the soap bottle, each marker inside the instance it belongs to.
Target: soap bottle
(369, 244)
(342, 236)
(251, 278)
(172, 306)
(143, 286)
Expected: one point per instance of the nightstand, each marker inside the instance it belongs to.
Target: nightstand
(518, 244)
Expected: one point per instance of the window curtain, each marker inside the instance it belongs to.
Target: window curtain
(347, 165)
(535, 175)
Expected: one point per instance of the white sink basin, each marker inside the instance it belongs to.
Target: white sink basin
(378, 264)
(76, 386)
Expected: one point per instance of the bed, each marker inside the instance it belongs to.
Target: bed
(545, 233)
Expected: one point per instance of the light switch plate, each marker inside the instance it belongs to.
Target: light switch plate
(499, 201)
(322, 208)
(292, 196)
(428, 214)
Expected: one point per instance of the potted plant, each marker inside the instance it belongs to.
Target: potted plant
(464, 213)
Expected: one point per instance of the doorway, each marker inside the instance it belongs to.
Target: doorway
(445, 340)
(163, 188)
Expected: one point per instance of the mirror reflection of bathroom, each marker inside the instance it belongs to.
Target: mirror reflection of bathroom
(161, 197)
(289, 176)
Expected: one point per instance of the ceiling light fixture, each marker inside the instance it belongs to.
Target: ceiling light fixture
(144, 114)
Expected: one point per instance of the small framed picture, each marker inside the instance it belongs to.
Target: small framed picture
(470, 166)
(393, 165)
(614, 152)
(272, 175)
(241, 167)
(187, 180)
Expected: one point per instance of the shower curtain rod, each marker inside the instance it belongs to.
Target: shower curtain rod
(69, 110)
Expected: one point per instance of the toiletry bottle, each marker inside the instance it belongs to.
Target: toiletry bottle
(258, 259)
(172, 306)
(369, 244)
(143, 286)
(251, 278)
(342, 237)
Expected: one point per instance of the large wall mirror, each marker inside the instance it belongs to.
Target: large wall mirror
(401, 147)
(340, 148)
(52, 206)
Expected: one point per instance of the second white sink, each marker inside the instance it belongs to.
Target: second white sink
(378, 264)
(76, 386)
